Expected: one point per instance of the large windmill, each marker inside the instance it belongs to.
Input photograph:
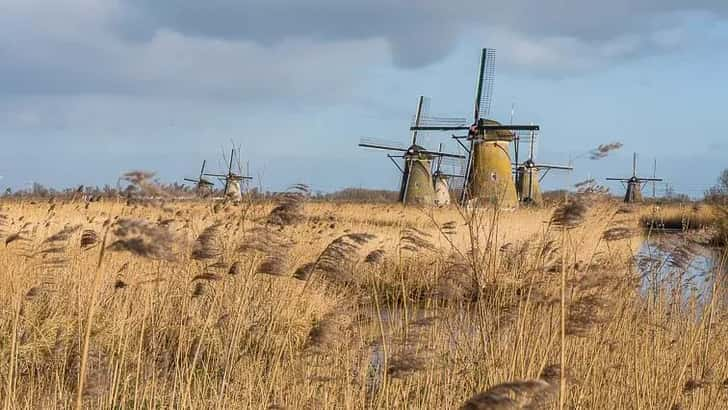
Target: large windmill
(634, 184)
(203, 186)
(528, 181)
(488, 173)
(416, 186)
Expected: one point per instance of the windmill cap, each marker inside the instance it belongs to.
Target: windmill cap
(499, 135)
(415, 149)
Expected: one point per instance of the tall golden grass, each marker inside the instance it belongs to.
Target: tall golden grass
(293, 304)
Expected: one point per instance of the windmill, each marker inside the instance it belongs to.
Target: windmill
(441, 179)
(488, 172)
(528, 181)
(231, 180)
(416, 186)
(634, 183)
(203, 186)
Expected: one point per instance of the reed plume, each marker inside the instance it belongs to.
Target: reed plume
(569, 215)
(521, 394)
(333, 262)
(603, 150)
(375, 257)
(143, 181)
(414, 240)
(89, 239)
(590, 186)
(208, 244)
(271, 246)
(458, 281)
(330, 331)
(405, 364)
(289, 210)
(618, 233)
(143, 239)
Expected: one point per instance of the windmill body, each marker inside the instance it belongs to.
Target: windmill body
(528, 177)
(233, 190)
(634, 184)
(441, 179)
(634, 191)
(442, 189)
(490, 177)
(417, 187)
(527, 181)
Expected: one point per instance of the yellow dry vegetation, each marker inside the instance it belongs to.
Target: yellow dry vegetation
(292, 304)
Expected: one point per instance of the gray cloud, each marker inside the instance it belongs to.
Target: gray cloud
(272, 49)
(419, 32)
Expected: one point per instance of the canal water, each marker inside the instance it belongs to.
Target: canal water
(672, 262)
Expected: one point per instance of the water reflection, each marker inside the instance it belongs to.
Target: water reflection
(669, 263)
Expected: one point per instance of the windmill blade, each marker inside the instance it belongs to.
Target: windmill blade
(439, 121)
(196, 181)
(523, 137)
(618, 179)
(649, 179)
(202, 170)
(381, 144)
(486, 79)
(454, 162)
(439, 159)
(450, 175)
(482, 126)
(441, 154)
(418, 113)
(557, 167)
(232, 157)
(440, 128)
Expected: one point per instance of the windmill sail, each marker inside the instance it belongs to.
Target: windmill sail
(484, 90)
(378, 143)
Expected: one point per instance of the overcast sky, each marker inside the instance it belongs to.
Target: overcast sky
(92, 88)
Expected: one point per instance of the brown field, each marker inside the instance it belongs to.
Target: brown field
(303, 305)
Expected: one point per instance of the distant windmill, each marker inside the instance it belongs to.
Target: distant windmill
(416, 186)
(203, 186)
(528, 181)
(231, 180)
(488, 172)
(634, 184)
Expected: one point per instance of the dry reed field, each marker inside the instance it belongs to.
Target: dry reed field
(294, 304)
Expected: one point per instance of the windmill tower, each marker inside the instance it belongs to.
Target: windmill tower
(203, 186)
(416, 186)
(231, 180)
(441, 179)
(488, 174)
(528, 181)
(634, 184)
